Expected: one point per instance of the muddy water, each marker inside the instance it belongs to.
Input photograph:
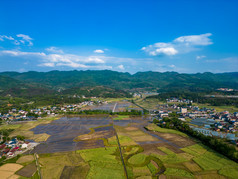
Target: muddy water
(63, 131)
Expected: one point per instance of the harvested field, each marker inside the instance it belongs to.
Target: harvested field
(73, 172)
(175, 139)
(95, 135)
(25, 159)
(152, 149)
(192, 166)
(12, 167)
(8, 170)
(54, 164)
(27, 171)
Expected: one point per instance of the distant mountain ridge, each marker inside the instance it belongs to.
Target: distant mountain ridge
(55, 80)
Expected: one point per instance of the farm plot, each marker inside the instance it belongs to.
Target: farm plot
(63, 132)
(28, 171)
(61, 164)
(103, 162)
(8, 170)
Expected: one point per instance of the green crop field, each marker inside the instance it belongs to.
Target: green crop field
(154, 127)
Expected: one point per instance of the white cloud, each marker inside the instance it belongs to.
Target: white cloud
(20, 53)
(200, 57)
(183, 44)
(98, 51)
(195, 39)
(121, 67)
(54, 50)
(52, 60)
(172, 66)
(25, 38)
(2, 37)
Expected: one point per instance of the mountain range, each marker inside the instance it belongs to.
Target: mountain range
(69, 82)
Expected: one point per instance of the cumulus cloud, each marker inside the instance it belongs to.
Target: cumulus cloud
(25, 38)
(98, 51)
(202, 39)
(183, 44)
(52, 60)
(54, 50)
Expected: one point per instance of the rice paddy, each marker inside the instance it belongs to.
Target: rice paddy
(87, 146)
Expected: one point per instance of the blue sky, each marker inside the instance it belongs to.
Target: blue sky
(187, 36)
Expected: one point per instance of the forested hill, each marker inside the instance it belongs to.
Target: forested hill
(167, 81)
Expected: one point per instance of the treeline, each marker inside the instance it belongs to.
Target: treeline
(197, 97)
(217, 144)
(91, 112)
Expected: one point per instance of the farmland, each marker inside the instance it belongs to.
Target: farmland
(87, 146)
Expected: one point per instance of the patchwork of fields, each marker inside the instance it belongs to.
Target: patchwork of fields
(87, 147)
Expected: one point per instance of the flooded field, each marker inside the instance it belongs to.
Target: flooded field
(63, 131)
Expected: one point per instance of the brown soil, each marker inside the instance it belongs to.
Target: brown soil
(176, 139)
(95, 135)
(28, 171)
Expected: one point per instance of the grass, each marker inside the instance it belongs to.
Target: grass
(153, 169)
(229, 172)
(148, 103)
(178, 172)
(104, 162)
(207, 164)
(124, 141)
(24, 129)
(53, 164)
(121, 117)
(231, 109)
(25, 159)
(137, 159)
(171, 157)
(141, 171)
(154, 127)
(209, 160)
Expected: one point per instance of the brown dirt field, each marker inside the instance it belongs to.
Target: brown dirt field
(13, 177)
(95, 135)
(152, 149)
(11, 167)
(162, 177)
(209, 176)
(176, 139)
(73, 172)
(25, 159)
(41, 137)
(89, 144)
(6, 174)
(28, 171)
(192, 166)
(146, 138)
(131, 128)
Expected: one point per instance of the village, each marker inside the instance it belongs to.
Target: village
(15, 147)
(206, 118)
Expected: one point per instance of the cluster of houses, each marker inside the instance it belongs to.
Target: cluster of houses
(176, 100)
(33, 114)
(222, 121)
(13, 148)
